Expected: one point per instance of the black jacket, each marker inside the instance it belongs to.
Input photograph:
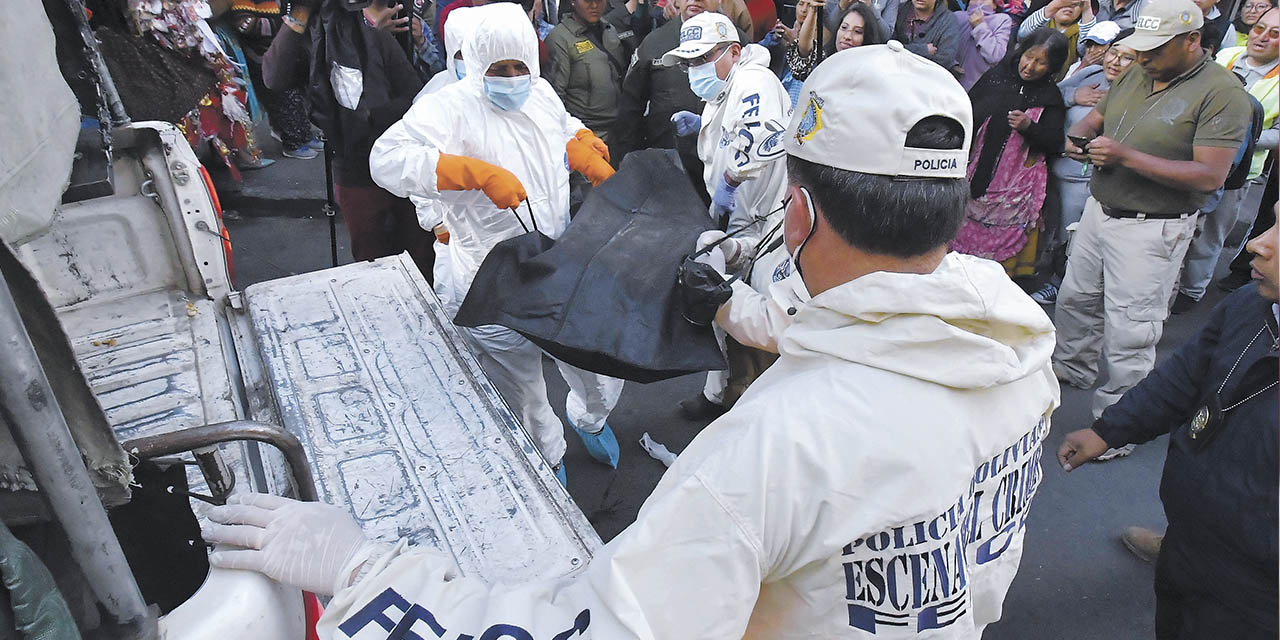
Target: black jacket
(999, 91)
(665, 90)
(389, 86)
(1219, 495)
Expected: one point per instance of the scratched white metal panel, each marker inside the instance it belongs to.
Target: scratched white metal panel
(400, 423)
(154, 361)
(152, 350)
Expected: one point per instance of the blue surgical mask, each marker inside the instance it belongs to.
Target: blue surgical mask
(704, 82)
(459, 69)
(508, 94)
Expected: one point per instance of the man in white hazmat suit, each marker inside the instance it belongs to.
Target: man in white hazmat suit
(740, 144)
(493, 152)
(456, 31)
(873, 483)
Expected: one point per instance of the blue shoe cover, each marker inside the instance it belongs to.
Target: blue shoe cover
(602, 446)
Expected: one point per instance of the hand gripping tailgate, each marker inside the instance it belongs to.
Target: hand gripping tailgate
(401, 424)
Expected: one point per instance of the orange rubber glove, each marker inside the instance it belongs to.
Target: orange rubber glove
(593, 141)
(441, 232)
(583, 159)
(459, 173)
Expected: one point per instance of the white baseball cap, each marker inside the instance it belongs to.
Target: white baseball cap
(700, 34)
(1102, 32)
(857, 106)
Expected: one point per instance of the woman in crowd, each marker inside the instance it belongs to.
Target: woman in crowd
(1020, 116)
(1068, 178)
(886, 12)
(858, 25)
(1237, 34)
(1093, 46)
(1072, 18)
(984, 39)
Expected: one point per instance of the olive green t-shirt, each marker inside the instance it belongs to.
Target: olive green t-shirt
(1204, 107)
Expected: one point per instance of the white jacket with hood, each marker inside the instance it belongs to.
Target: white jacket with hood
(742, 131)
(873, 483)
(460, 120)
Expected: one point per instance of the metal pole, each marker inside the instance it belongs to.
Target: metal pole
(330, 203)
(108, 86)
(40, 431)
(821, 46)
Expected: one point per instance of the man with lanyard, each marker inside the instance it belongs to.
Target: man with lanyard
(1256, 64)
(740, 144)
(1161, 140)
(1216, 397)
(848, 494)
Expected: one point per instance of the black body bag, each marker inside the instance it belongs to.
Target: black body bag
(604, 296)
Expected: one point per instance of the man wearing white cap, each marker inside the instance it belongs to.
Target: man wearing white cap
(1161, 140)
(740, 145)
(874, 483)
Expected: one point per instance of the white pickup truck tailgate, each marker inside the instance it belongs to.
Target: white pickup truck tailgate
(400, 422)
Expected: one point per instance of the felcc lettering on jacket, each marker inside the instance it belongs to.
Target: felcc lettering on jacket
(415, 620)
(915, 578)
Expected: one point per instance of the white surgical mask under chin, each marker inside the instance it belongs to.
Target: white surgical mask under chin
(508, 94)
(459, 69)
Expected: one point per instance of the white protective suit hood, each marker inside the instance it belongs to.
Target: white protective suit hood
(457, 30)
(503, 32)
(963, 326)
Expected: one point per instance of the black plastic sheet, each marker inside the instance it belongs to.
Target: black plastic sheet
(603, 297)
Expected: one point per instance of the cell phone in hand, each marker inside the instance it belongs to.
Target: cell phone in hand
(1080, 141)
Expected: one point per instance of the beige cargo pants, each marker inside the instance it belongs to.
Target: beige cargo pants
(1115, 297)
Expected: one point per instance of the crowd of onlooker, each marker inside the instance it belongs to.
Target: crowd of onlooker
(1032, 71)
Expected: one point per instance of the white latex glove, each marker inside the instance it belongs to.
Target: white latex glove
(304, 544)
(715, 259)
(730, 246)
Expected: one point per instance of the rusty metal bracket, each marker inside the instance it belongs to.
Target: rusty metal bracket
(209, 435)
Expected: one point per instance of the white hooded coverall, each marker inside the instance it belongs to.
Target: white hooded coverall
(873, 483)
(742, 131)
(456, 31)
(530, 143)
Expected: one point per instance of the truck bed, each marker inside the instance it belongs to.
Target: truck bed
(401, 424)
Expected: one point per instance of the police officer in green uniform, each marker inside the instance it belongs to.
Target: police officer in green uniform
(587, 60)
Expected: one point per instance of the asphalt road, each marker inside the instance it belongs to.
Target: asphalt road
(1076, 580)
